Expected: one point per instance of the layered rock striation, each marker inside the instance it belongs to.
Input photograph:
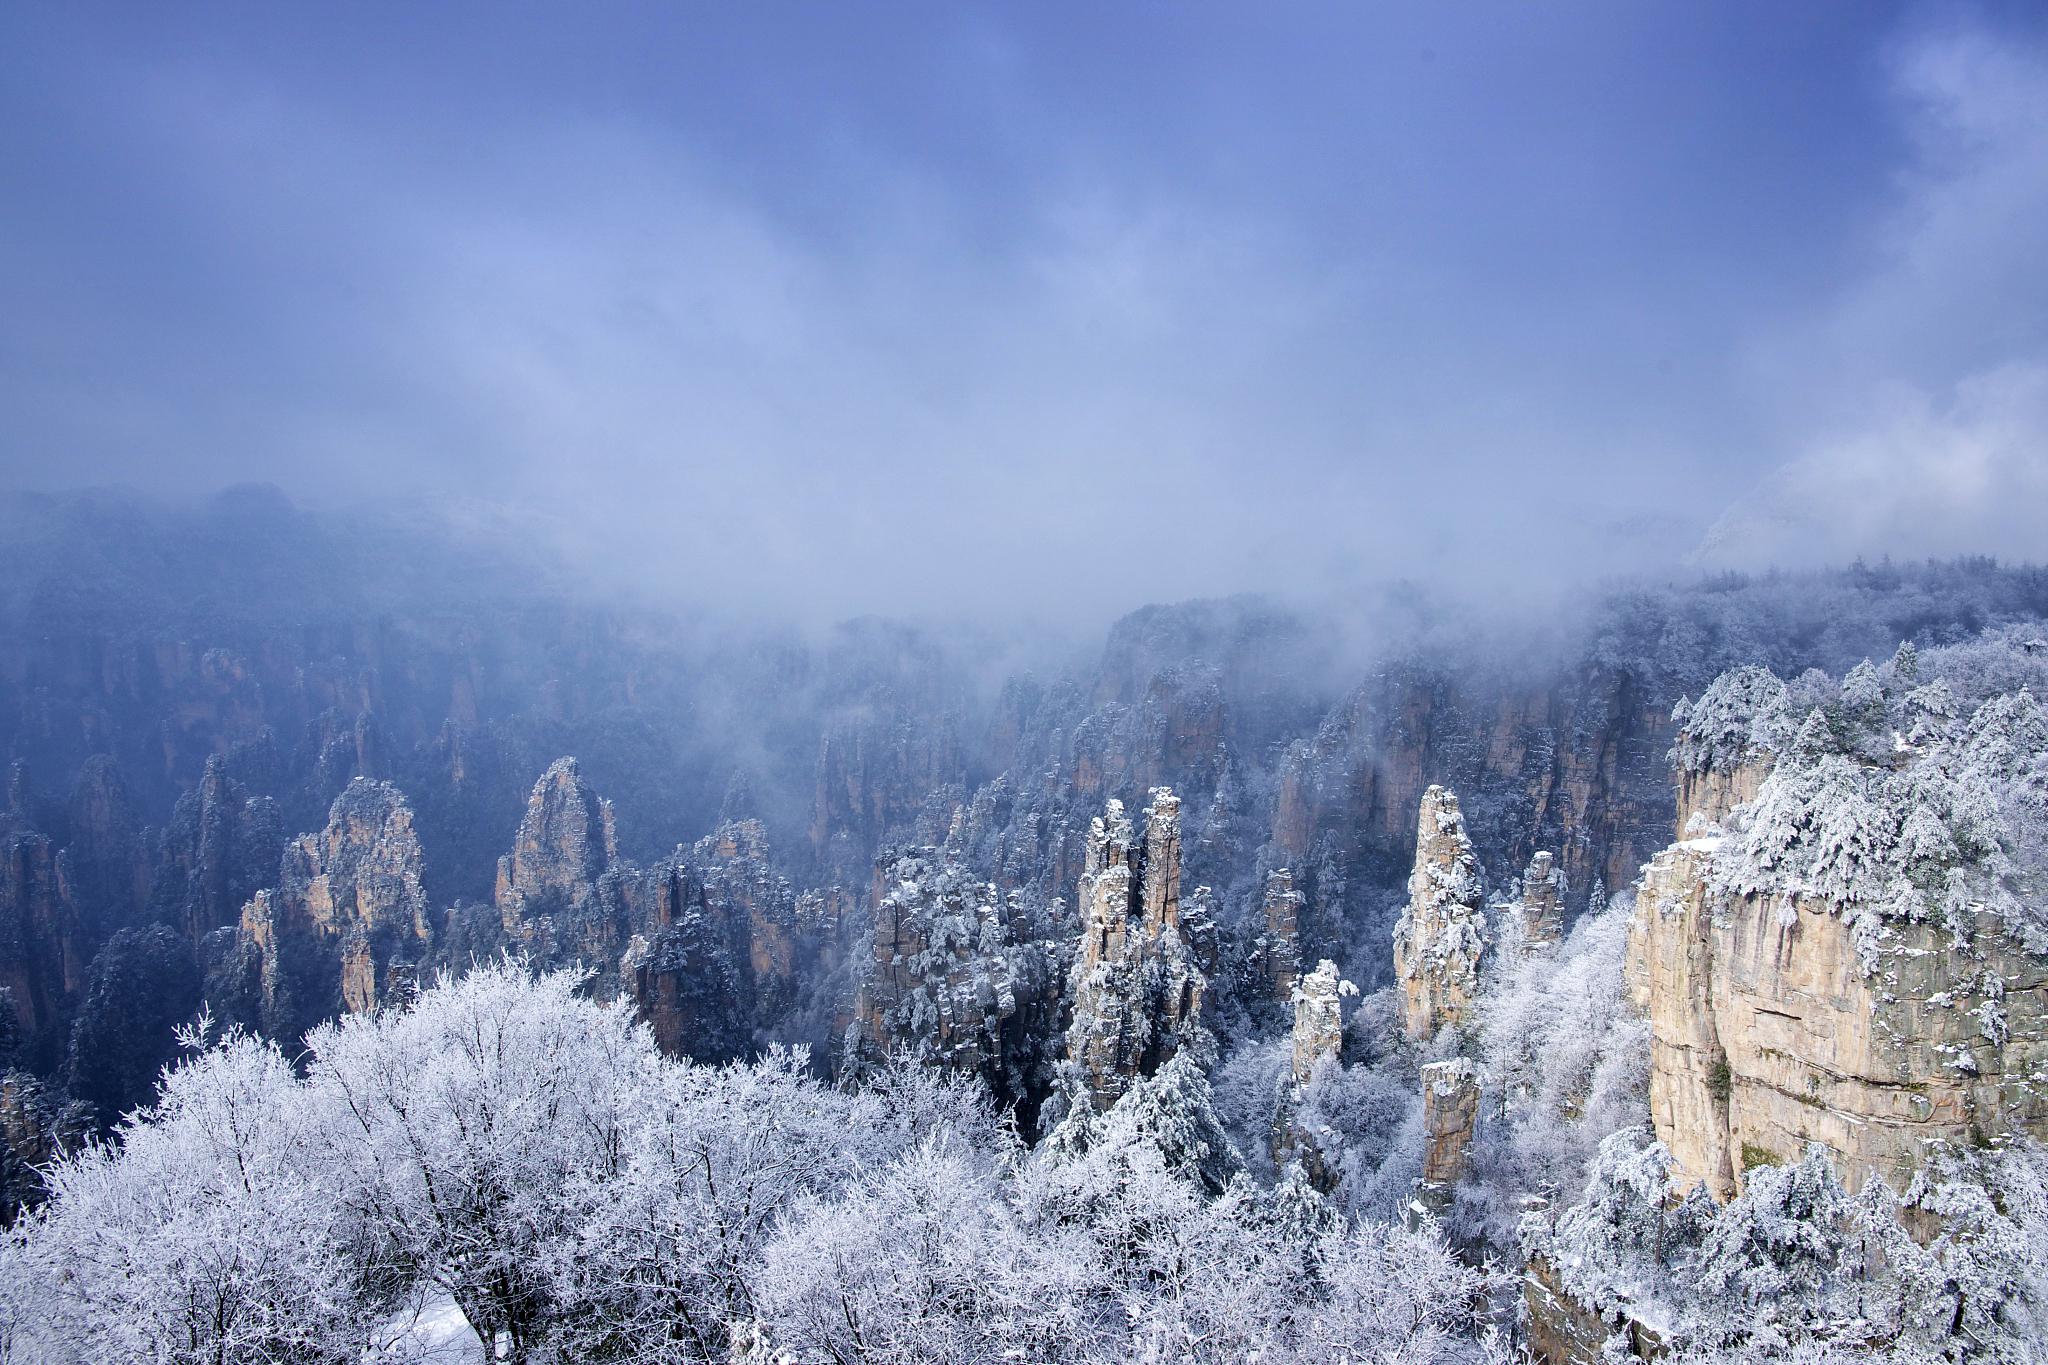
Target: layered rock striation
(1279, 945)
(1450, 1117)
(1838, 950)
(1542, 904)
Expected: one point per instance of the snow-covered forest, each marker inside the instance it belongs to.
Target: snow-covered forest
(510, 1145)
(503, 1163)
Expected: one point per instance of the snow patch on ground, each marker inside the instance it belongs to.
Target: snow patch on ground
(436, 1334)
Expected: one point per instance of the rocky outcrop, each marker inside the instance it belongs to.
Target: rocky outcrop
(874, 771)
(1564, 1331)
(44, 944)
(1200, 929)
(759, 910)
(1173, 729)
(1834, 951)
(59, 908)
(221, 847)
(1136, 985)
(941, 985)
(1450, 1115)
(1279, 946)
(1575, 764)
(1318, 1019)
(106, 848)
(62, 894)
(1442, 933)
(1767, 1033)
(1708, 796)
(558, 894)
(36, 1126)
(1317, 1038)
(144, 984)
(1542, 904)
(681, 968)
(346, 928)
(722, 945)
(345, 747)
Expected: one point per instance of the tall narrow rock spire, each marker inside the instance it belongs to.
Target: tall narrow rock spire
(1136, 983)
(1542, 904)
(1280, 945)
(1442, 933)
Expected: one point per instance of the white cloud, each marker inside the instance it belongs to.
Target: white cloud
(1965, 475)
(1923, 393)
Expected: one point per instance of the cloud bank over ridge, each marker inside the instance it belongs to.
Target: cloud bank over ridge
(955, 312)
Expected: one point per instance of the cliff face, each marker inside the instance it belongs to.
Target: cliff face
(1136, 983)
(1575, 765)
(44, 947)
(35, 1128)
(1450, 1114)
(70, 875)
(1318, 1019)
(1438, 946)
(1767, 1033)
(778, 943)
(1173, 729)
(722, 945)
(1842, 951)
(1542, 904)
(258, 707)
(347, 926)
(873, 776)
(1279, 946)
(680, 966)
(1317, 1037)
(1442, 933)
(106, 846)
(142, 987)
(1706, 797)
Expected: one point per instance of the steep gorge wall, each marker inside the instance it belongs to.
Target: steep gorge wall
(1840, 948)
(1767, 1033)
(1576, 767)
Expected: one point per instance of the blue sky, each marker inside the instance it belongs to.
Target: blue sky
(940, 306)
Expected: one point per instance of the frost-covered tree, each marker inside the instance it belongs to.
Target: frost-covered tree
(209, 1232)
(1613, 1249)
(915, 1261)
(1397, 1296)
(1742, 713)
(1365, 1122)
(457, 1131)
(1564, 1061)
(1776, 1257)
(1889, 805)
(1795, 1268)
